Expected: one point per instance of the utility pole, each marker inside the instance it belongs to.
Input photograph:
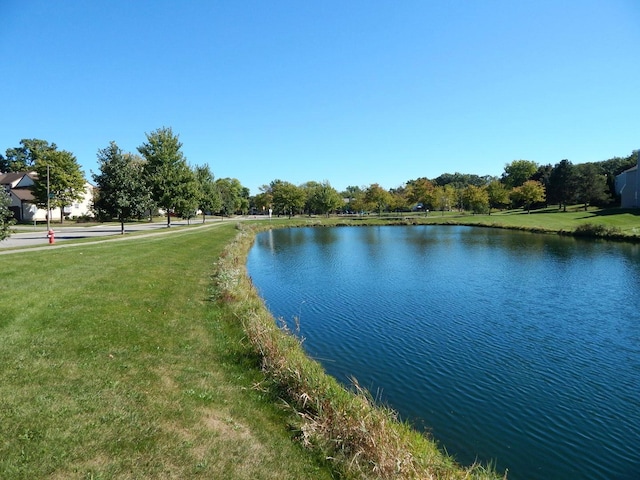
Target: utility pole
(48, 203)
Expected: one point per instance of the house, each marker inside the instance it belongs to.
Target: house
(18, 186)
(628, 186)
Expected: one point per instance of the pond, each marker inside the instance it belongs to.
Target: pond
(509, 347)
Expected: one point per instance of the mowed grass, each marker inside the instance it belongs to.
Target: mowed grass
(625, 223)
(115, 364)
(552, 219)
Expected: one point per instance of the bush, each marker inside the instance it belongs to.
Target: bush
(596, 230)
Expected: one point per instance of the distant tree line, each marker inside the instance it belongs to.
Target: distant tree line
(523, 184)
(157, 177)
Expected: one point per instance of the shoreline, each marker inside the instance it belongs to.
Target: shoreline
(345, 425)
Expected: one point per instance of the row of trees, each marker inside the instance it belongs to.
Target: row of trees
(523, 184)
(130, 186)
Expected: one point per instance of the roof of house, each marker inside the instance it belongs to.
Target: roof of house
(14, 178)
(23, 194)
(11, 177)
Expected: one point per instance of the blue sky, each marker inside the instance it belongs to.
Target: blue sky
(353, 92)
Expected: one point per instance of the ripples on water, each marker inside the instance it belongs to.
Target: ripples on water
(513, 347)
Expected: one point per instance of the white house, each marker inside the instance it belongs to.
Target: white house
(18, 186)
(628, 186)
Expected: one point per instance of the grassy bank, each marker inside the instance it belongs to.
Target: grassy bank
(361, 439)
(613, 223)
(114, 363)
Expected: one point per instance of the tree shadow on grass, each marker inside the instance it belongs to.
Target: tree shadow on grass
(616, 211)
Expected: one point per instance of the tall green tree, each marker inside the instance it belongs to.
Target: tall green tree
(66, 180)
(562, 184)
(476, 199)
(498, 195)
(6, 215)
(122, 192)
(171, 180)
(323, 199)
(420, 191)
(24, 157)
(529, 193)
(591, 185)
(399, 201)
(210, 199)
(518, 172)
(263, 201)
(288, 199)
(444, 197)
(188, 203)
(233, 196)
(377, 198)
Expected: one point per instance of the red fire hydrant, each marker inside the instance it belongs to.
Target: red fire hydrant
(51, 236)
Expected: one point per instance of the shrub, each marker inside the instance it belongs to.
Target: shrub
(596, 230)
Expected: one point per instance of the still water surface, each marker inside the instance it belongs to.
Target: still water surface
(509, 347)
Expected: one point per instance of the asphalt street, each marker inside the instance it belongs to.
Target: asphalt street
(37, 236)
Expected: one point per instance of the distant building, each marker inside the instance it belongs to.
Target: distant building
(628, 186)
(18, 186)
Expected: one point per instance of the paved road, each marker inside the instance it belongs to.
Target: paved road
(37, 236)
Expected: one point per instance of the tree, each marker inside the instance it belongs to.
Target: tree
(187, 204)
(308, 188)
(399, 201)
(288, 199)
(615, 166)
(351, 193)
(591, 185)
(264, 200)
(444, 197)
(459, 180)
(543, 175)
(209, 199)
(233, 195)
(420, 191)
(498, 195)
(65, 178)
(122, 192)
(377, 198)
(171, 180)
(476, 199)
(528, 193)
(6, 215)
(323, 198)
(518, 172)
(562, 184)
(24, 157)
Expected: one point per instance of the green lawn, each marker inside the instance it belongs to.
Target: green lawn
(626, 223)
(115, 364)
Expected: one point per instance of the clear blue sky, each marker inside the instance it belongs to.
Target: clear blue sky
(353, 92)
